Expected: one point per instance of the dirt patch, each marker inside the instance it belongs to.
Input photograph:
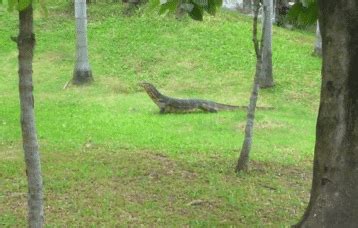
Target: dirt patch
(11, 151)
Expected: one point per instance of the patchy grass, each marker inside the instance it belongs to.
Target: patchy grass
(109, 158)
(95, 187)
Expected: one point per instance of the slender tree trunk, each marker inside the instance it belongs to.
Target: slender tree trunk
(26, 43)
(243, 161)
(334, 193)
(82, 73)
(318, 42)
(266, 78)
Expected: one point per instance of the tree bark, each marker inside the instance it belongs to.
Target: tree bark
(266, 78)
(82, 73)
(273, 9)
(334, 193)
(242, 164)
(26, 43)
(247, 6)
(281, 9)
(318, 42)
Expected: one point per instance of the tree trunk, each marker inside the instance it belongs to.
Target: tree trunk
(242, 164)
(266, 78)
(318, 42)
(273, 9)
(334, 194)
(247, 6)
(82, 73)
(26, 43)
(281, 10)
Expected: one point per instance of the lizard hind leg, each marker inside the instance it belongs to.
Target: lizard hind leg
(162, 111)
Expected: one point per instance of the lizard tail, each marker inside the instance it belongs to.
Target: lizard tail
(219, 106)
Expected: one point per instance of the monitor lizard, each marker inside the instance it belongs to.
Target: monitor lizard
(175, 105)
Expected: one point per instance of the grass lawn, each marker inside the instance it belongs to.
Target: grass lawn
(108, 158)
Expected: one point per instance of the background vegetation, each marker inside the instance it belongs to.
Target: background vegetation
(109, 158)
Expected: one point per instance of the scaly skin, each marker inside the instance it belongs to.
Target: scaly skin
(175, 105)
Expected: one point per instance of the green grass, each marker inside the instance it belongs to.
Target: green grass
(109, 158)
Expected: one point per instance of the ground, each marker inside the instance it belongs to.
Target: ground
(108, 158)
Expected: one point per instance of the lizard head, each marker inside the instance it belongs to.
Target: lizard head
(150, 89)
(145, 85)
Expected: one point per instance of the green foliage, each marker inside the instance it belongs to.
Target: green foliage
(22, 4)
(18, 4)
(211, 8)
(170, 5)
(196, 12)
(301, 15)
(109, 159)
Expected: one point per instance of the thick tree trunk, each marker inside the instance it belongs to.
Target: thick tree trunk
(82, 73)
(26, 43)
(334, 194)
(266, 78)
(242, 164)
(318, 42)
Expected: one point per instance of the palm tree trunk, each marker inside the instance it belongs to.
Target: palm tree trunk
(273, 9)
(281, 10)
(318, 42)
(26, 43)
(247, 6)
(266, 78)
(82, 73)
